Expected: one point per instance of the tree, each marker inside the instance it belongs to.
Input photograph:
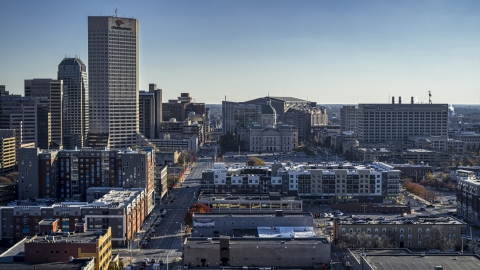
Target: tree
(254, 161)
(5, 181)
(195, 208)
(438, 238)
(13, 176)
(120, 265)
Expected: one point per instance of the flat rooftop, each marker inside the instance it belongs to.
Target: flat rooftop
(255, 214)
(75, 265)
(395, 219)
(249, 240)
(117, 198)
(89, 236)
(403, 259)
(239, 197)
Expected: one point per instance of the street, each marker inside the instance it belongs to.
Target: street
(167, 239)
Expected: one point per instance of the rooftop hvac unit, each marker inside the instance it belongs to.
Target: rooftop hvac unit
(209, 240)
(438, 267)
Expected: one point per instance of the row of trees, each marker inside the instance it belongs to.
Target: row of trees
(419, 190)
(439, 238)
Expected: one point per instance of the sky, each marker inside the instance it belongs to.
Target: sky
(344, 51)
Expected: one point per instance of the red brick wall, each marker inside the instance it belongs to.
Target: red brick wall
(55, 252)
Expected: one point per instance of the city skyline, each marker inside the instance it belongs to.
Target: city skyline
(366, 52)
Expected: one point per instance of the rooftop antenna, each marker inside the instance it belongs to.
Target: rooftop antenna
(429, 97)
(116, 10)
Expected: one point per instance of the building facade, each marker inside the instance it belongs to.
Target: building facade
(123, 210)
(73, 73)
(403, 233)
(395, 122)
(8, 153)
(348, 118)
(468, 196)
(53, 91)
(59, 248)
(113, 81)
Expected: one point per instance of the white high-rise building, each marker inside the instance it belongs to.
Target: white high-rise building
(113, 81)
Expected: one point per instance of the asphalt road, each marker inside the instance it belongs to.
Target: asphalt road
(167, 239)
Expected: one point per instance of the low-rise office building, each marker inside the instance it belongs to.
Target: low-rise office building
(226, 223)
(256, 252)
(63, 247)
(412, 234)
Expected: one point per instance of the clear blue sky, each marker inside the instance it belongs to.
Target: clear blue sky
(326, 51)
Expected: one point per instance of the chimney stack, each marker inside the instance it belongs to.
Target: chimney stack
(393, 100)
(412, 100)
(399, 100)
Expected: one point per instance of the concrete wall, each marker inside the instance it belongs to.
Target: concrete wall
(292, 253)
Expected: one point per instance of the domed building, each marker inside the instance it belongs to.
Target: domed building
(269, 115)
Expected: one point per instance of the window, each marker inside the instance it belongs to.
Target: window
(419, 242)
(419, 236)
(376, 230)
(419, 230)
(409, 229)
(409, 243)
(402, 236)
(409, 236)
(384, 230)
(369, 230)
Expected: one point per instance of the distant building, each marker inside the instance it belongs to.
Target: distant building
(8, 153)
(395, 122)
(470, 138)
(73, 73)
(150, 112)
(302, 114)
(3, 91)
(348, 118)
(28, 116)
(53, 91)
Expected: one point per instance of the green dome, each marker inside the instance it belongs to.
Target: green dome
(268, 109)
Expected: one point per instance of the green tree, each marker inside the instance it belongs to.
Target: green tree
(195, 208)
(120, 265)
(228, 142)
(254, 161)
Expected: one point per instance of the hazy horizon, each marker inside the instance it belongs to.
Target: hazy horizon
(331, 52)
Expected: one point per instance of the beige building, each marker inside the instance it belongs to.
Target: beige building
(7, 151)
(259, 252)
(348, 118)
(281, 138)
(403, 233)
(395, 122)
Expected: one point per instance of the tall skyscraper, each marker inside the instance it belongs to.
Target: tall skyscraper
(53, 91)
(113, 81)
(150, 112)
(73, 72)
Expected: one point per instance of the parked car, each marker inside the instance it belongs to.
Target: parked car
(423, 209)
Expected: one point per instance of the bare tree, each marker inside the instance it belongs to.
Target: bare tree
(439, 238)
